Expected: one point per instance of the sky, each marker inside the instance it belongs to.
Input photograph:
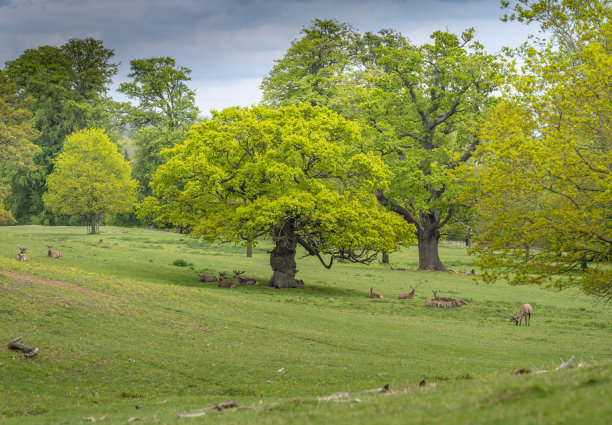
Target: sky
(230, 45)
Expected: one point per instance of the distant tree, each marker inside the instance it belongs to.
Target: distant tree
(16, 134)
(90, 178)
(544, 173)
(165, 110)
(292, 174)
(69, 86)
(314, 67)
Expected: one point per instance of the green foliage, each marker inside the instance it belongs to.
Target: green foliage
(415, 104)
(181, 263)
(246, 172)
(313, 69)
(16, 134)
(545, 174)
(90, 177)
(68, 84)
(166, 108)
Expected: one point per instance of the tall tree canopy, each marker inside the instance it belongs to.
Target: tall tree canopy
(313, 69)
(416, 105)
(16, 134)
(166, 108)
(544, 174)
(90, 177)
(292, 174)
(69, 86)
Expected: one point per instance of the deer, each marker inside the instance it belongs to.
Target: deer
(207, 278)
(223, 282)
(374, 294)
(53, 254)
(22, 255)
(244, 281)
(524, 311)
(407, 295)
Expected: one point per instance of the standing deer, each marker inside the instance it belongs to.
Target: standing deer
(244, 281)
(207, 278)
(374, 294)
(223, 282)
(53, 254)
(407, 295)
(526, 311)
(22, 256)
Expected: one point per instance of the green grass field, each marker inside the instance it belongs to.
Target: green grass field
(125, 336)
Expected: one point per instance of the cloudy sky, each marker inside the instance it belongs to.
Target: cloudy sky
(230, 45)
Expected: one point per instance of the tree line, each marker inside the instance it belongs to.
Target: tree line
(363, 142)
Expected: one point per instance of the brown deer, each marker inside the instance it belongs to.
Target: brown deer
(53, 254)
(525, 311)
(207, 278)
(244, 281)
(223, 282)
(407, 295)
(22, 255)
(374, 294)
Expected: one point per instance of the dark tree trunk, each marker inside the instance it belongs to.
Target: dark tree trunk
(429, 259)
(385, 258)
(93, 223)
(428, 226)
(282, 257)
(249, 251)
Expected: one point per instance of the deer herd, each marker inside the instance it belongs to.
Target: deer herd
(525, 310)
(23, 257)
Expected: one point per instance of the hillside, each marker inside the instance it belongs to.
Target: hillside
(123, 333)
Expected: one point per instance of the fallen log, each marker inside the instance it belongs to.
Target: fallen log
(27, 350)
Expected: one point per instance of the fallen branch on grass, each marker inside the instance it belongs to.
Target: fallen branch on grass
(562, 366)
(27, 350)
(219, 406)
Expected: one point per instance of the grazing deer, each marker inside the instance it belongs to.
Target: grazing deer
(244, 281)
(223, 282)
(525, 311)
(407, 295)
(374, 294)
(22, 256)
(53, 254)
(207, 278)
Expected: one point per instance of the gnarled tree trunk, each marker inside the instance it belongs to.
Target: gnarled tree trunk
(429, 258)
(282, 257)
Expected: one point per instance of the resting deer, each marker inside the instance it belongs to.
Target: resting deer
(207, 278)
(407, 295)
(223, 282)
(22, 256)
(244, 281)
(525, 311)
(374, 294)
(53, 254)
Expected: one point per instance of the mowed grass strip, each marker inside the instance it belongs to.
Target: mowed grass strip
(118, 325)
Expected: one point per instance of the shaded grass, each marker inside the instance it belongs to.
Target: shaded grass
(118, 325)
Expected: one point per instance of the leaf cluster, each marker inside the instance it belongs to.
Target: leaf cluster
(245, 172)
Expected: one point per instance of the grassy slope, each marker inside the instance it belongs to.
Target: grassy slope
(118, 325)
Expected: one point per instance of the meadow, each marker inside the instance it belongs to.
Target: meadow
(127, 336)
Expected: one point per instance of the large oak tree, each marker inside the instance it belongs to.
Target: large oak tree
(291, 174)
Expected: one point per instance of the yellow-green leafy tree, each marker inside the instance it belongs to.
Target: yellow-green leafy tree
(291, 174)
(90, 177)
(16, 134)
(544, 173)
